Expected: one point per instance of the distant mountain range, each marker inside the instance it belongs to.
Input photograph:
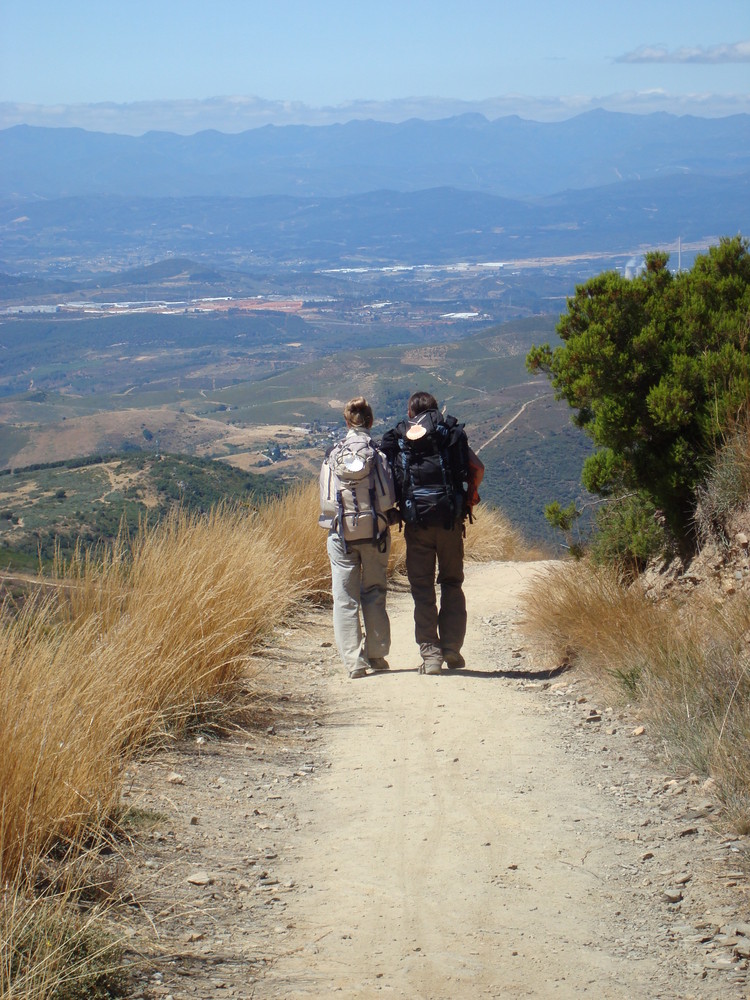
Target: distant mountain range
(373, 193)
(510, 157)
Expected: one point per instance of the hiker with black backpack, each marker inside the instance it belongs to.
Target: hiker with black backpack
(357, 502)
(436, 476)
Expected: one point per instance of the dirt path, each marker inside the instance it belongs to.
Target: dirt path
(490, 832)
(508, 423)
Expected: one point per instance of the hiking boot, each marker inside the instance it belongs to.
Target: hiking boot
(431, 667)
(453, 661)
(358, 672)
(379, 663)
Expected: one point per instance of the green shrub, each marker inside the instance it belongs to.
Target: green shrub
(628, 533)
(656, 369)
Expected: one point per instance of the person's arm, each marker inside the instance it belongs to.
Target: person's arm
(389, 445)
(476, 475)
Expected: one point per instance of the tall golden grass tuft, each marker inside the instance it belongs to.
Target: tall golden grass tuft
(582, 613)
(137, 642)
(688, 663)
(58, 773)
(290, 524)
(181, 614)
(492, 538)
(131, 643)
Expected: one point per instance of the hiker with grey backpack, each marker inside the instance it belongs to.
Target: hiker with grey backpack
(357, 502)
(437, 476)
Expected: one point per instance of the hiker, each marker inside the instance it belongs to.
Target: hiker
(437, 476)
(357, 502)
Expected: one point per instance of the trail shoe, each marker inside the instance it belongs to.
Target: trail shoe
(358, 672)
(453, 661)
(431, 667)
(379, 663)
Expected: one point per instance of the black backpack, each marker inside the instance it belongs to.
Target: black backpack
(431, 472)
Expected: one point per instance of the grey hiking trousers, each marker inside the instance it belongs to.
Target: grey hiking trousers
(359, 584)
(443, 630)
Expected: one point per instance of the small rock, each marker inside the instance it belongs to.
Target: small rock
(672, 895)
(194, 821)
(175, 779)
(721, 964)
(638, 731)
(200, 878)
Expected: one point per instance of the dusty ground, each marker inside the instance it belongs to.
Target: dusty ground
(492, 832)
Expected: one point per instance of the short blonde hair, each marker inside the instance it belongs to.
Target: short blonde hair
(358, 413)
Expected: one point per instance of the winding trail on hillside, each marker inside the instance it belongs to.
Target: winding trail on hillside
(508, 423)
(491, 832)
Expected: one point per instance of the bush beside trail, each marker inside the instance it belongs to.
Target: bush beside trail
(656, 370)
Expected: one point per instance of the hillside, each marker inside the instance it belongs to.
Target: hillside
(200, 401)
(53, 507)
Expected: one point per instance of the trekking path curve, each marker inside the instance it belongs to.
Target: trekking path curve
(508, 423)
(490, 832)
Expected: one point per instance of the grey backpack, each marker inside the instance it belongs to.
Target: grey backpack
(358, 490)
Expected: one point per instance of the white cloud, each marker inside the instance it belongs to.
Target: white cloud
(738, 52)
(237, 114)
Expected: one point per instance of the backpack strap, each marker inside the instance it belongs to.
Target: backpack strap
(340, 521)
(406, 502)
(447, 482)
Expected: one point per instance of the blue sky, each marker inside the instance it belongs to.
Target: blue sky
(679, 54)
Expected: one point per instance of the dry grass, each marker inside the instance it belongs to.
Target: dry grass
(138, 641)
(687, 663)
(132, 644)
(52, 949)
(291, 524)
(492, 538)
(135, 644)
(726, 490)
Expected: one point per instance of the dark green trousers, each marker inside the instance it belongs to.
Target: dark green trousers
(437, 629)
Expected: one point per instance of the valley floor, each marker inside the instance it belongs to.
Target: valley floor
(492, 832)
